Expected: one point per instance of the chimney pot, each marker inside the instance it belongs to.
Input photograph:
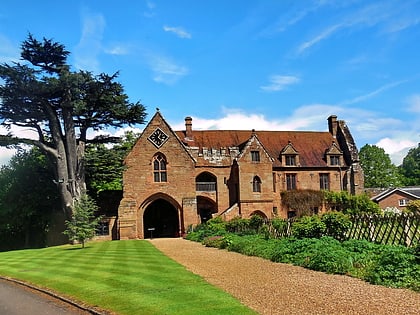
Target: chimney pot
(188, 128)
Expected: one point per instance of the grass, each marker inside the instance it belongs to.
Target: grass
(126, 277)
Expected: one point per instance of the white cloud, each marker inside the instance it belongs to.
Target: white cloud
(6, 155)
(414, 103)
(369, 95)
(118, 50)
(396, 148)
(90, 44)
(323, 35)
(178, 31)
(395, 137)
(279, 82)
(165, 70)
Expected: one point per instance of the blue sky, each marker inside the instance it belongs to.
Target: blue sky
(242, 64)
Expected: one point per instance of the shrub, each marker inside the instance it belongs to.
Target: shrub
(308, 227)
(336, 224)
(395, 266)
(328, 256)
(237, 225)
(213, 227)
(255, 223)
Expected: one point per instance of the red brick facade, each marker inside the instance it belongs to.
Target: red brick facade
(397, 198)
(177, 179)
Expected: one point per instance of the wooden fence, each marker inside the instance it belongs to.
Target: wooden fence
(390, 229)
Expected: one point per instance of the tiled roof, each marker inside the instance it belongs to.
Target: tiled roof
(311, 146)
(413, 191)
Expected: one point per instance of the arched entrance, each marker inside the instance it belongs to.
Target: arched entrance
(160, 219)
(205, 208)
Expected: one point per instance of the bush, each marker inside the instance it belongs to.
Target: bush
(213, 227)
(237, 225)
(337, 224)
(395, 266)
(308, 227)
(329, 256)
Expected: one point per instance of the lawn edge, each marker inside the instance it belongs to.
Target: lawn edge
(82, 306)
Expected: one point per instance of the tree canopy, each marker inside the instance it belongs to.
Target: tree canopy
(411, 167)
(43, 95)
(28, 198)
(378, 168)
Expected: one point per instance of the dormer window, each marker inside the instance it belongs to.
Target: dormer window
(335, 160)
(333, 155)
(289, 155)
(290, 160)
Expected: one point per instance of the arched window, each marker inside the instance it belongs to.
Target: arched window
(256, 184)
(159, 168)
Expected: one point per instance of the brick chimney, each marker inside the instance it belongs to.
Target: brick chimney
(188, 128)
(333, 125)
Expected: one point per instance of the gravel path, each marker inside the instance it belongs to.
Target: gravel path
(274, 288)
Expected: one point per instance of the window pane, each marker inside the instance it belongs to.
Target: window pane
(290, 160)
(156, 176)
(155, 165)
(291, 181)
(162, 165)
(324, 181)
(163, 176)
(255, 156)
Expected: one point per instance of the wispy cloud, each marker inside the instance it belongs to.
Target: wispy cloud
(323, 35)
(414, 103)
(90, 44)
(391, 16)
(150, 9)
(374, 93)
(118, 50)
(178, 31)
(279, 82)
(165, 70)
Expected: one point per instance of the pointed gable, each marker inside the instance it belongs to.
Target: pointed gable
(254, 145)
(158, 134)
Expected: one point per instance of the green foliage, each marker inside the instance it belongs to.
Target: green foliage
(104, 165)
(302, 201)
(256, 222)
(351, 204)
(410, 167)
(395, 266)
(62, 106)
(337, 224)
(213, 227)
(308, 227)
(413, 206)
(28, 197)
(238, 225)
(378, 168)
(315, 245)
(83, 223)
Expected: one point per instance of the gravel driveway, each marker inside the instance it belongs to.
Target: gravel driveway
(275, 288)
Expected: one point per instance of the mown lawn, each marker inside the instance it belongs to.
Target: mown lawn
(127, 277)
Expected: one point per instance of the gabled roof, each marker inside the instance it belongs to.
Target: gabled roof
(410, 191)
(310, 145)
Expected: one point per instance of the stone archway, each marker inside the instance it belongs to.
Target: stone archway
(160, 219)
(205, 208)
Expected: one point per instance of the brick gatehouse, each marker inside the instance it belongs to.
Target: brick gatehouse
(178, 179)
